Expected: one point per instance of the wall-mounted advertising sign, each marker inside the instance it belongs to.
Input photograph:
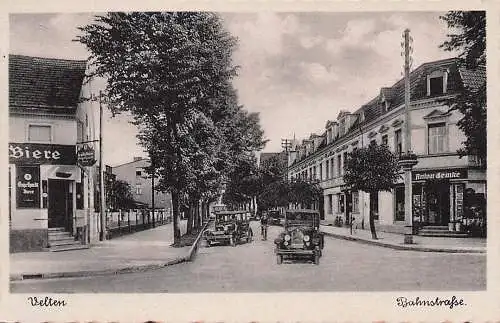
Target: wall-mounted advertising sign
(439, 174)
(86, 155)
(29, 153)
(28, 186)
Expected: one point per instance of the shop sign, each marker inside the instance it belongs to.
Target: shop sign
(29, 153)
(28, 186)
(440, 175)
(86, 155)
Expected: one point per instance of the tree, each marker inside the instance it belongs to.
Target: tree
(172, 71)
(304, 192)
(371, 169)
(469, 39)
(120, 197)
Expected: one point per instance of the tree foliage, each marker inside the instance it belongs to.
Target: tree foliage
(120, 196)
(371, 169)
(172, 71)
(468, 37)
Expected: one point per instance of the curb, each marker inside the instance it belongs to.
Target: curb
(194, 248)
(402, 247)
(126, 270)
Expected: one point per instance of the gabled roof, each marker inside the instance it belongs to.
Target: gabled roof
(36, 82)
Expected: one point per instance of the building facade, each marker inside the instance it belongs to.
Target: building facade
(141, 184)
(48, 189)
(444, 185)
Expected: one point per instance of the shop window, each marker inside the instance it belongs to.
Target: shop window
(355, 202)
(340, 203)
(39, 133)
(398, 142)
(330, 204)
(138, 189)
(437, 138)
(399, 214)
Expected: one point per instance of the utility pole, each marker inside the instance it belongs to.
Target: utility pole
(102, 235)
(407, 159)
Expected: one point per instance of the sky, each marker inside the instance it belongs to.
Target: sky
(297, 70)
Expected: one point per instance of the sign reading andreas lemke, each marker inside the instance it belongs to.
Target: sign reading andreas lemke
(440, 174)
(28, 153)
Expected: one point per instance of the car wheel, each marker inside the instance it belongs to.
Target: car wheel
(316, 258)
(279, 259)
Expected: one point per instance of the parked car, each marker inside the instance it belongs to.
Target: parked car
(229, 227)
(274, 217)
(301, 237)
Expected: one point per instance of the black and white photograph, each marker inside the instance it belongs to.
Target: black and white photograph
(196, 152)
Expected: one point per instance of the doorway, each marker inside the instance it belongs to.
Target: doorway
(438, 197)
(60, 206)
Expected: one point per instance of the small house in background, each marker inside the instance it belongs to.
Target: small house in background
(141, 184)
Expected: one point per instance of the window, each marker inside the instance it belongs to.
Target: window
(436, 85)
(437, 138)
(339, 165)
(398, 144)
(138, 189)
(373, 142)
(355, 202)
(345, 162)
(399, 214)
(374, 205)
(314, 173)
(138, 172)
(40, 133)
(385, 140)
(321, 171)
(327, 169)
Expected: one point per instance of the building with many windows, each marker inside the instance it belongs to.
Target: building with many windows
(444, 185)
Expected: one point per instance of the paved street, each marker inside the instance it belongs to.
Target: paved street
(345, 266)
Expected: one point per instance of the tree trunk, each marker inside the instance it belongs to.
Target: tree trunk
(372, 218)
(190, 220)
(175, 217)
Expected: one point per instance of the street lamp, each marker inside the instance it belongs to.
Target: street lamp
(407, 159)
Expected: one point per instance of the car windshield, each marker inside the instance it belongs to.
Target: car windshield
(297, 218)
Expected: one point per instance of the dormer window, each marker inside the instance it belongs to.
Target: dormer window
(437, 83)
(342, 127)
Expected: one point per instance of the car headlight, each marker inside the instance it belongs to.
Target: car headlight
(306, 238)
(286, 243)
(287, 237)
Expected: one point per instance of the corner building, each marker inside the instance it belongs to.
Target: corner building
(48, 189)
(444, 184)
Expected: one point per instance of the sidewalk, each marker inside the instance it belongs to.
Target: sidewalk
(395, 241)
(143, 250)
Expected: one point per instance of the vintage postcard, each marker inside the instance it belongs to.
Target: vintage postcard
(250, 162)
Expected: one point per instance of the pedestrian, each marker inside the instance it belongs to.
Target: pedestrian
(263, 226)
(354, 225)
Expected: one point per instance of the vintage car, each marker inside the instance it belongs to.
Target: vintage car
(274, 217)
(301, 237)
(229, 227)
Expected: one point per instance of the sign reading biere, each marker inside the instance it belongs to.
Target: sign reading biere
(86, 155)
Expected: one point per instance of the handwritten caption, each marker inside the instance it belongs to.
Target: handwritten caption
(46, 302)
(430, 302)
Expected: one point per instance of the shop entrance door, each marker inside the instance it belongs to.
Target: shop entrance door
(60, 206)
(438, 198)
